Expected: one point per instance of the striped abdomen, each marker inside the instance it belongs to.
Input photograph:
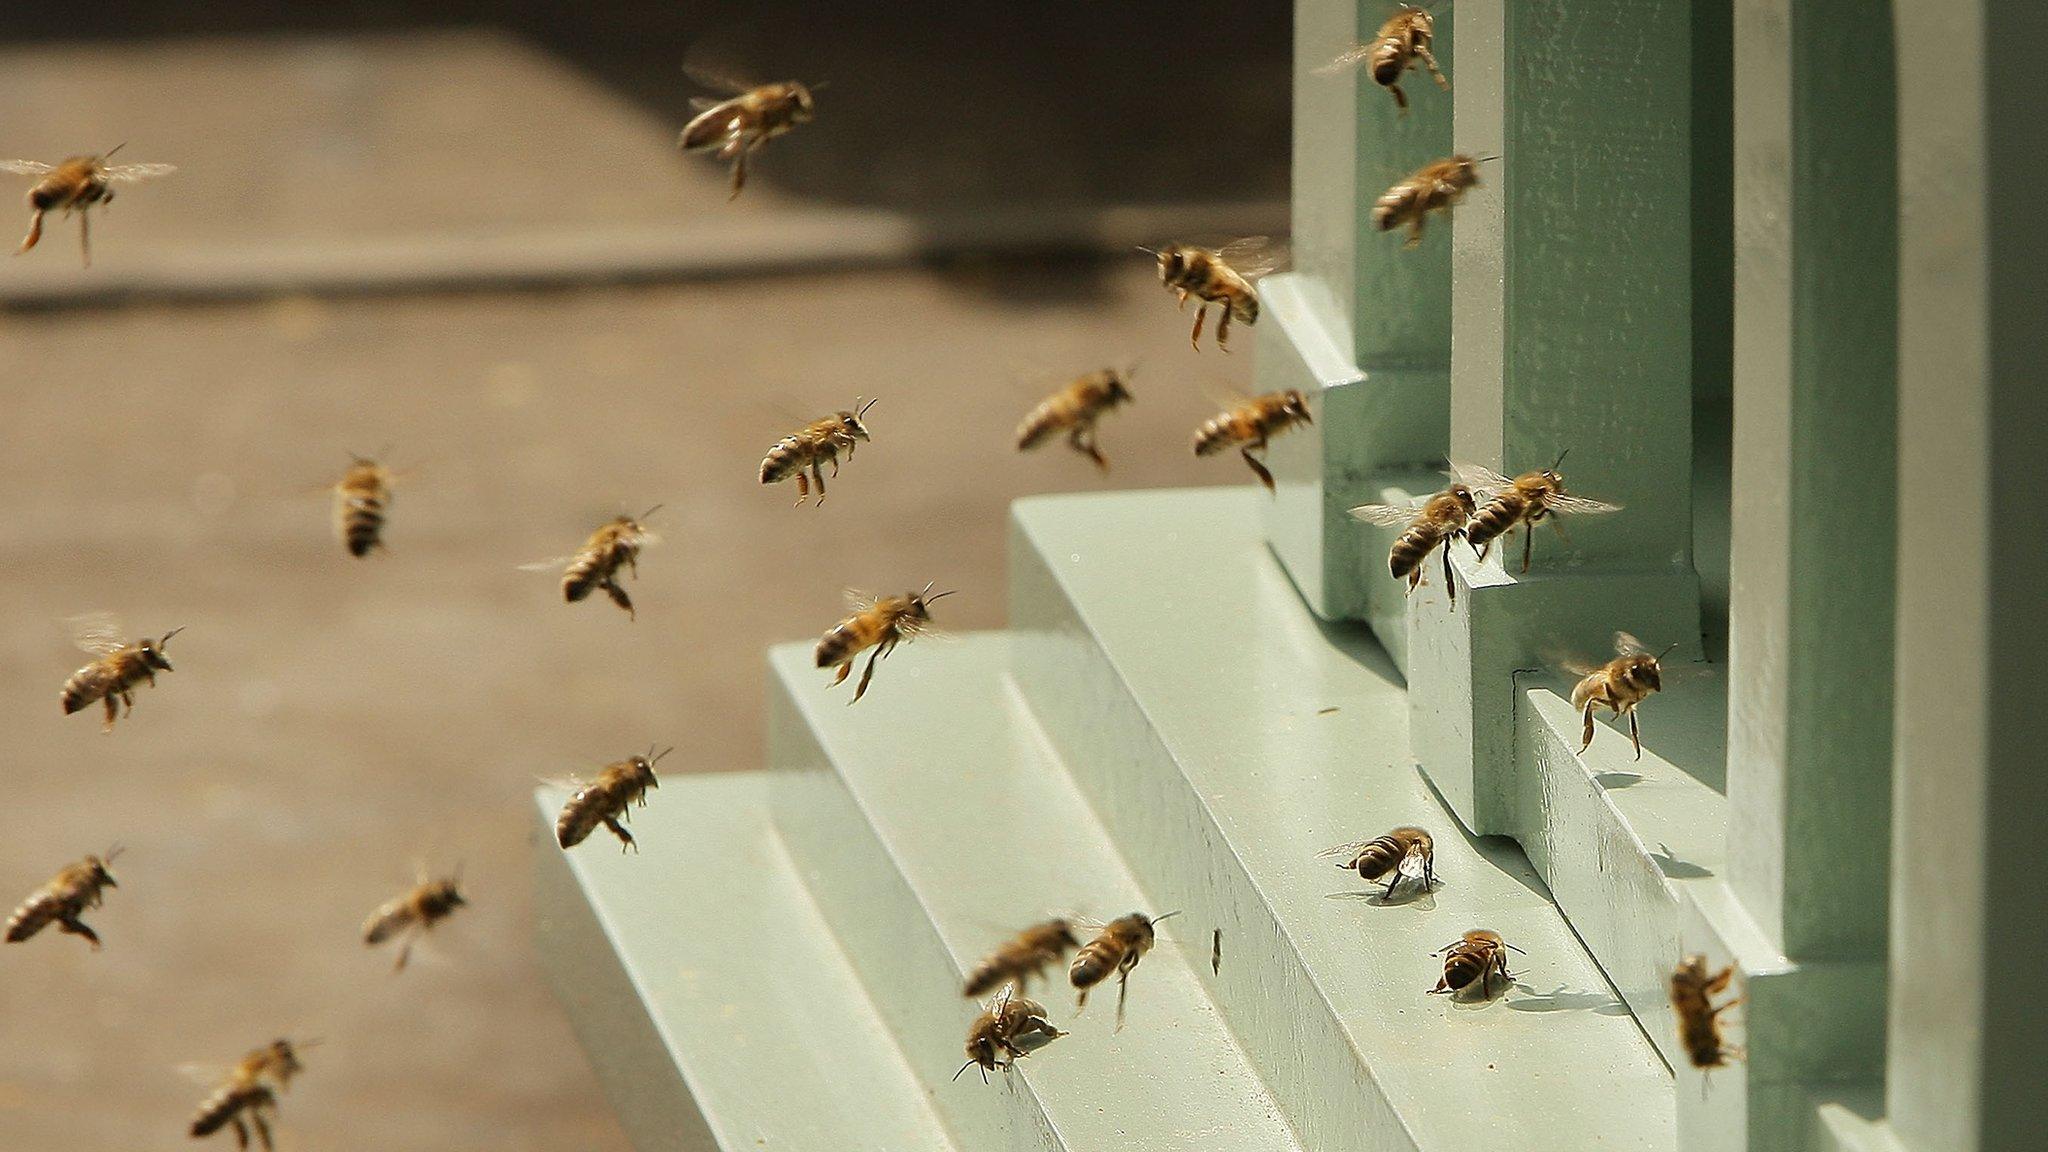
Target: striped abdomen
(1413, 546)
(231, 1101)
(792, 454)
(1379, 857)
(34, 915)
(359, 503)
(1499, 515)
(110, 675)
(587, 809)
(852, 636)
(593, 567)
(1221, 432)
(1464, 966)
(1096, 960)
(1059, 412)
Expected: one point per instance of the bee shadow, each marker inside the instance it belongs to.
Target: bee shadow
(1404, 895)
(1561, 999)
(1613, 780)
(1675, 868)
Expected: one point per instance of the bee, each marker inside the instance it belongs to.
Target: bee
(64, 899)
(1074, 410)
(1402, 40)
(1022, 957)
(76, 185)
(613, 546)
(877, 622)
(1526, 500)
(1618, 686)
(1249, 424)
(1117, 948)
(748, 120)
(1699, 1018)
(1404, 854)
(1475, 957)
(360, 499)
(606, 800)
(1434, 187)
(1216, 952)
(249, 1093)
(429, 902)
(117, 667)
(1010, 1028)
(1221, 276)
(814, 445)
(1434, 523)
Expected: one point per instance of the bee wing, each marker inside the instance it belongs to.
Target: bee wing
(1579, 505)
(1000, 1000)
(711, 77)
(204, 1074)
(858, 601)
(1412, 863)
(1346, 852)
(1626, 644)
(1480, 479)
(95, 633)
(1349, 58)
(1254, 256)
(1387, 515)
(26, 167)
(553, 565)
(130, 173)
(706, 103)
(567, 782)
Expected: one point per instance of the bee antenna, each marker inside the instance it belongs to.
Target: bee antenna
(1168, 916)
(940, 596)
(1484, 159)
(116, 148)
(1512, 948)
(1667, 650)
(963, 1068)
(820, 86)
(168, 635)
(653, 758)
(860, 409)
(652, 511)
(112, 852)
(1560, 459)
(1149, 251)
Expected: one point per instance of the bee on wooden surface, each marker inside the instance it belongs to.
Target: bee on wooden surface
(1250, 424)
(1074, 410)
(407, 916)
(1010, 1028)
(117, 666)
(248, 1096)
(613, 546)
(76, 185)
(1022, 957)
(1474, 958)
(1116, 948)
(360, 500)
(877, 622)
(746, 121)
(605, 800)
(1216, 952)
(1402, 40)
(1699, 1018)
(813, 446)
(1434, 187)
(1526, 500)
(1221, 276)
(1434, 523)
(1618, 686)
(64, 899)
(1404, 854)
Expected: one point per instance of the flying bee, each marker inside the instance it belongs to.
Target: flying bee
(1221, 276)
(1010, 1028)
(117, 666)
(1074, 410)
(76, 185)
(1402, 40)
(1475, 957)
(613, 546)
(1527, 500)
(1434, 187)
(64, 899)
(1618, 686)
(1117, 948)
(814, 445)
(360, 500)
(1433, 524)
(877, 622)
(606, 799)
(1022, 957)
(1250, 424)
(1699, 1018)
(248, 1096)
(1404, 854)
(407, 916)
(747, 121)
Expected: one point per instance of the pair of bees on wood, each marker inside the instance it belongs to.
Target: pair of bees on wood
(1012, 1026)
(76, 184)
(1249, 424)
(1408, 853)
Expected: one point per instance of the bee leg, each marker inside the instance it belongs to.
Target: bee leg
(1081, 1002)
(77, 927)
(1635, 733)
(262, 1129)
(1258, 469)
(803, 487)
(1450, 585)
(1528, 544)
(739, 174)
(35, 232)
(85, 236)
(113, 710)
(1223, 329)
(1429, 59)
(1586, 738)
(404, 952)
(867, 673)
(1083, 441)
(1391, 882)
(1414, 580)
(241, 1132)
(619, 597)
(841, 678)
(626, 840)
(1180, 292)
(1400, 97)
(1201, 318)
(1123, 987)
(835, 463)
(818, 474)
(1415, 232)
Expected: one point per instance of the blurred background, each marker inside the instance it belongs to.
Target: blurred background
(458, 233)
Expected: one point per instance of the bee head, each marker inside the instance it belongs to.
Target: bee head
(851, 421)
(153, 651)
(1296, 405)
(448, 892)
(1463, 496)
(981, 1049)
(284, 1057)
(1064, 933)
(801, 106)
(100, 875)
(921, 601)
(643, 766)
(1119, 393)
(1173, 261)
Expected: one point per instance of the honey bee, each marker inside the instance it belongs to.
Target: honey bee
(1009, 1029)
(613, 546)
(1074, 410)
(606, 800)
(1526, 500)
(1402, 40)
(248, 1096)
(1022, 957)
(1221, 276)
(748, 120)
(1404, 854)
(117, 667)
(1117, 948)
(64, 899)
(1432, 524)
(1473, 958)
(76, 185)
(814, 445)
(429, 902)
(360, 499)
(1249, 424)
(1434, 187)
(877, 622)
(1618, 686)
(1699, 1018)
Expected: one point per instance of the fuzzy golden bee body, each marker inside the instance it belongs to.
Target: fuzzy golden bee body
(1525, 501)
(427, 903)
(1074, 410)
(1250, 424)
(117, 666)
(1406, 853)
(1116, 949)
(361, 498)
(1406, 37)
(1221, 276)
(737, 127)
(814, 445)
(248, 1096)
(605, 800)
(1434, 187)
(879, 623)
(1022, 957)
(596, 565)
(1699, 1018)
(1474, 958)
(78, 184)
(1435, 524)
(1633, 676)
(1009, 1029)
(64, 900)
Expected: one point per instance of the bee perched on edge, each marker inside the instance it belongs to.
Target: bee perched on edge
(1010, 1028)
(1220, 276)
(1474, 958)
(1618, 686)
(117, 666)
(1406, 853)
(1527, 500)
(249, 1092)
(813, 446)
(1022, 957)
(877, 622)
(751, 117)
(360, 500)
(1402, 40)
(1250, 424)
(1431, 523)
(1434, 187)
(606, 800)
(613, 546)
(1074, 410)
(64, 899)
(1116, 948)
(428, 902)
(77, 184)
(1699, 1018)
